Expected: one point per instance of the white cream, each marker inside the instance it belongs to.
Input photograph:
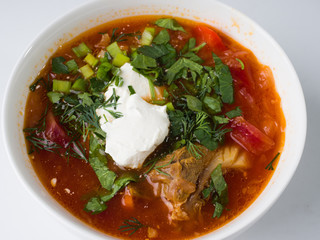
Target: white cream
(143, 126)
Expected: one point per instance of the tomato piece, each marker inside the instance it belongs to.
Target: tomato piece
(207, 35)
(55, 132)
(249, 137)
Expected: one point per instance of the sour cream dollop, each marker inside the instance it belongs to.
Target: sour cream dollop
(142, 127)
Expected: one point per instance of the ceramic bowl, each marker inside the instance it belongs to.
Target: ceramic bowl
(222, 17)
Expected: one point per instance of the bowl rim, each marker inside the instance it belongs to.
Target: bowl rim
(90, 231)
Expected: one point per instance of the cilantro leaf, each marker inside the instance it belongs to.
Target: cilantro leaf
(220, 119)
(193, 57)
(169, 23)
(108, 179)
(95, 205)
(218, 209)
(225, 80)
(86, 98)
(189, 45)
(220, 185)
(58, 65)
(234, 113)
(144, 62)
(176, 118)
(169, 59)
(98, 163)
(183, 64)
(163, 37)
(193, 103)
(212, 104)
(119, 183)
(153, 51)
(97, 85)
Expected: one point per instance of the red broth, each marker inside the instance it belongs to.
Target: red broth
(72, 181)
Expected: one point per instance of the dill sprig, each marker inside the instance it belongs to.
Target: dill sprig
(38, 143)
(132, 225)
(158, 168)
(121, 37)
(79, 117)
(269, 166)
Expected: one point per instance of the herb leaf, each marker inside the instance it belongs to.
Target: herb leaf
(176, 70)
(98, 163)
(119, 183)
(225, 80)
(131, 225)
(97, 85)
(163, 37)
(193, 103)
(153, 51)
(144, 62)
(212, 104)
(234, 113)
(169, 23)
(219, 190)
(58, 65)
(220, 184)
(95, 205)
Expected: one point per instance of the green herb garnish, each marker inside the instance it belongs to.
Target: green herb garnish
(234, 113)
(58, 65)
(269, 166)
(132, 225)
(122, 37)
(241, 63)
(218, 190)
(169, 23)
(163, 37)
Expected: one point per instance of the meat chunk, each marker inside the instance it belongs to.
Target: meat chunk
(179, 178)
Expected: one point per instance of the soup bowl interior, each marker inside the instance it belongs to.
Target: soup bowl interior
(222, 17)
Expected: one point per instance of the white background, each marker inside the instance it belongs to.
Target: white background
(295, 26)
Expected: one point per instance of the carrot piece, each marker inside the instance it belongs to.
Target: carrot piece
(127, 199)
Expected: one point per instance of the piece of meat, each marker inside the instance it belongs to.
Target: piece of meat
(179, 178)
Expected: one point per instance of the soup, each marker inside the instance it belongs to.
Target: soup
(154, 128)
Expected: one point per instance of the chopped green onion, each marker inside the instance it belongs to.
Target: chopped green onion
(81, 50)
(61, 86)
(165, 93)
(54, 97)
(91, 60)
(158, 102)
(152, 90)
(131, 90)
(134, 54)
(72, 66)
(114, 49)
(86, 71)
(147, 36)
(79, 85)
(120, 59)
(170, 106)
(241, 63)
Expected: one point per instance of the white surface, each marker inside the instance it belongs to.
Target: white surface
(297, 213)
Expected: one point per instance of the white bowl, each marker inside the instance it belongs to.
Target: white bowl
(222, 17)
